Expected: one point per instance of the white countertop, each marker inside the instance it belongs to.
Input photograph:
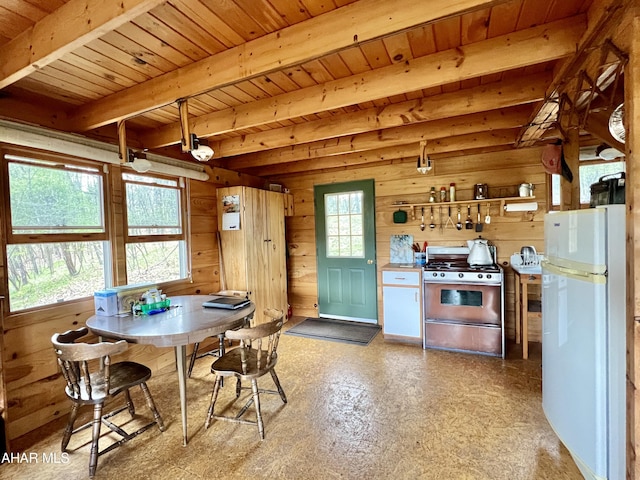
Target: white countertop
(527, 270)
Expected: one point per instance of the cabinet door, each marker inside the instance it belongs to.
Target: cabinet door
(401, 308)
(275, 251)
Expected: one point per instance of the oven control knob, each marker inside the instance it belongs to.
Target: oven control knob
(479, 275)
(435, 274)
(460, 275)
(488, 275)
(442, 274)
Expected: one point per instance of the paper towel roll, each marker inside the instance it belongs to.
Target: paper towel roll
(521, 207)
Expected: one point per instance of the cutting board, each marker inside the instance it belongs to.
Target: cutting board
(401, 251)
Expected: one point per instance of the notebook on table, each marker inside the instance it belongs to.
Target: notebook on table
(230, 303)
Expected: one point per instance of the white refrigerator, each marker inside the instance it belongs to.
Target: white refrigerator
(583, 343)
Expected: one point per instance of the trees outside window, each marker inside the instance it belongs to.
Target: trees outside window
(155, 238)
(57, 247)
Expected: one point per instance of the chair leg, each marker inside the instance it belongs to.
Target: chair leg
(193, 358)
(214, 397)
(256, 402)
(238, 387)
(277, 382)
(130, 406)
(152, 406)
(95, 436)
(69, 428)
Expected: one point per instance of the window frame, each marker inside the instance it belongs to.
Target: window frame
(61, 161)
(182, 186)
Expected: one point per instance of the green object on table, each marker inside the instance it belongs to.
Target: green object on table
(157, 307)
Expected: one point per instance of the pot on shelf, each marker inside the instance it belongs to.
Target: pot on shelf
(479, 252)
(526, 190)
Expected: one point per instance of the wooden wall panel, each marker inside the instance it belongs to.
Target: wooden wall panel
(398, 181)
(30, 369)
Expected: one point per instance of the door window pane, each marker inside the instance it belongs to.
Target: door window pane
(343, 221)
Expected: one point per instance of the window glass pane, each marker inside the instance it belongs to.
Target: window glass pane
(357, 247)
(155, 261)
(555, 189)
(333, 246)
(356, 225)
(331, 205)
(332, 225)
(345, 246)
(356, 203)
(46, 273)
(55, 200)
(344, 224)
(343, 204)
(152, 210)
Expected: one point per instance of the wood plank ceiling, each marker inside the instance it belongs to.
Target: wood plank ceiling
(282, 86)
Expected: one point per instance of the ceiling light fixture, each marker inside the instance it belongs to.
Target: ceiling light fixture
(424, 162)
(198, 148)
(200, 151)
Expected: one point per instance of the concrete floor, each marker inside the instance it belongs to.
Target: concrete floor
(377, 412)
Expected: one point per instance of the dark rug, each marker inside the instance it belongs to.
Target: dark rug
(335, 330)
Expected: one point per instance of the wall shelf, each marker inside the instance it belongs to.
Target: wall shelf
(463, 203)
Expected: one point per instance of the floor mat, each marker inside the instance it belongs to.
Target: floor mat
(335, 330)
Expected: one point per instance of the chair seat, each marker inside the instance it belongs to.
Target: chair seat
(230, 364)
(124, 375)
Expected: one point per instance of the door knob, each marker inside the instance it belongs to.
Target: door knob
(369, 262)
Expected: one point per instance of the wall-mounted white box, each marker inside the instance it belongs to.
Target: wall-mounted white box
(106, 302)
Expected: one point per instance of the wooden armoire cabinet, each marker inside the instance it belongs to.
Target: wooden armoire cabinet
(253, 245)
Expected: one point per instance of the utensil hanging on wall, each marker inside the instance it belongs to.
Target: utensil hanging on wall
(479, 223)
(422, 225)
(468, 223)
(432, 225)
(487, 219)
(459, 224)
(449, 221)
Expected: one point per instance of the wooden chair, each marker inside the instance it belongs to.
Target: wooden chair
(216, 352)
(92, 379)
(256, 356)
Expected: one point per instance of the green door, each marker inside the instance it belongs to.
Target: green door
(346, 251)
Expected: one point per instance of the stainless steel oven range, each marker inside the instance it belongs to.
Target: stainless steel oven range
(463, 304)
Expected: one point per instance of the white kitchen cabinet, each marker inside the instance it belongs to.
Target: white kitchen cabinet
(402, 304)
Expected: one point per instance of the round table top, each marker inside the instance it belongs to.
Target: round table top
(186, 322)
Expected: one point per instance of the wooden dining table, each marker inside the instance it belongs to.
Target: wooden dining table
(186, 322)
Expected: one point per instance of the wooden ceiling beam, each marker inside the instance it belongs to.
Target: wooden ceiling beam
(333, 31)
(507, 93)
(73, 25)
(519, 49)
(432, 131)
(450, 145)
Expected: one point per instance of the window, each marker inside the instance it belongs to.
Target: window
(590, 173)
(155, 236)
(343, 217)
(57, 246)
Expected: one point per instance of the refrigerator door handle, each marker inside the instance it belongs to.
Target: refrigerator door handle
(572, 273)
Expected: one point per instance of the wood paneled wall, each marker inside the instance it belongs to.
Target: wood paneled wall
(34, 387)
(399, 181)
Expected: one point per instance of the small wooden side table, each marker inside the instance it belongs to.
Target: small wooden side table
(522, 281)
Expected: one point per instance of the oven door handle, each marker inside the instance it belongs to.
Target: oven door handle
(466, 284)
